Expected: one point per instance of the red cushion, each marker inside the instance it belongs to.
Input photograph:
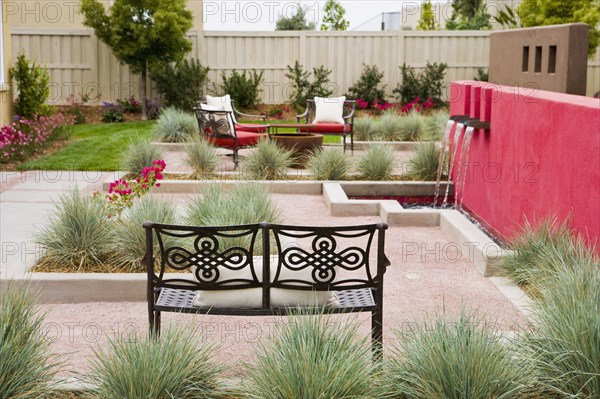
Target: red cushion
(245, 139)
(328, 128)
(252, 127)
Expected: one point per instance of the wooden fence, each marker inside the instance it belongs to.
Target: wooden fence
(79, 63)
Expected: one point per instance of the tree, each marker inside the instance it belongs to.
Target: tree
(334, 16)
(469, 15)
(295, 22)
(552, 12)
(427, 20)
(507, 18)
(141, 33)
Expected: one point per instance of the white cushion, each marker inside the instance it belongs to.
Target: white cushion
(329, 110)
(252, 297)
(223, 103)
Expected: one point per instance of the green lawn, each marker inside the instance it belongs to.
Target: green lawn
(99, 147)
(94, 147)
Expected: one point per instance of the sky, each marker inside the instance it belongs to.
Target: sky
(261, 15)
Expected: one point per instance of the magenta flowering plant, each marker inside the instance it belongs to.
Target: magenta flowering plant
(381, 105)
(122, 193)
(417, 106)
(25, 136)
(362, 104)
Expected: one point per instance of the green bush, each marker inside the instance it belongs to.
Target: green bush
(27, 366)
(331, 164)
(77, 234)
(268, 161)
(389, 125)
(32, 87)
(368, 87)
(303, 88)
(181, 85)
(201, 157)
(112, 113)
(541, 251)
(424, 163)
(411, 126)
(139, 154)
(175, 126)
(244, 88)
(245, 203)
(314, 356)
(435, 126)
(130, 238)
(443, 359)
(176, 365)
(377, 163)
(429, 83)
(564, 343)
(365, 128)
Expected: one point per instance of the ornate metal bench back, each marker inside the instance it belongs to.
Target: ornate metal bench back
(217, 124)
(335, 258)
(206, 252)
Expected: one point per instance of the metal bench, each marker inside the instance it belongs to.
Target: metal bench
(182, 261)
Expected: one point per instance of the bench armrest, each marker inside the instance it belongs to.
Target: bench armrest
(386, 261)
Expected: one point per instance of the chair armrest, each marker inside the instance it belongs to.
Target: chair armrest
(302, 115)
(262, 117)
(386, 261)
(350, 115)
(236, 112)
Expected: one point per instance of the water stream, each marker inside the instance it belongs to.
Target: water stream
(462, 170)
(451, 155)
(442, 159)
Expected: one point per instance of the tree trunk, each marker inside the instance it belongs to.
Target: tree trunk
(143, 92)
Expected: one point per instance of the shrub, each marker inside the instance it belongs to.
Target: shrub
(32, 86)
(268, 161)
(541, 251)
(181, 85)
(424, 163)
(426, 84)
(153, 108)
(303, 88)
(26, 136)
(130, 105)
(444, 359)
(389, 125)
(75, 108)
(201, 157)
(139, 154)
(482, 75)
(77, 234)
(365, 128)
(331, 164)
(367, 88)
(112, 113)
(411, 126)
(130, 238)
(377, 163)
(175, 126)
(314, 356)
(175, 365)
(435, 126)
(244, 88)
(564, 344)
(245, 203)
(27, 367)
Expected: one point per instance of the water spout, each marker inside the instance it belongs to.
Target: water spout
(451, 154)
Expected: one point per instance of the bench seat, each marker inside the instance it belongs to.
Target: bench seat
(180, 300)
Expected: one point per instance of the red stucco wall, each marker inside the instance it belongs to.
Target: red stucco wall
(541, 157)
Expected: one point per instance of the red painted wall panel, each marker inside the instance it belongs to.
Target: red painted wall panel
(541, 157)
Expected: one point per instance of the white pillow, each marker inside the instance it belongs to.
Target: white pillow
(221, 103)
(329, 110)
(252, 297)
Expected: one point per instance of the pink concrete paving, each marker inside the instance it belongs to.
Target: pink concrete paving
(418, 282)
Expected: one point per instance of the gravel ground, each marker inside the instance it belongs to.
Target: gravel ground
(432, 275)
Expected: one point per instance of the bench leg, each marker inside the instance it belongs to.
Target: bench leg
(157, 323)
(236, 160)
(352, 142)
(344, 141)
(377, 335)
